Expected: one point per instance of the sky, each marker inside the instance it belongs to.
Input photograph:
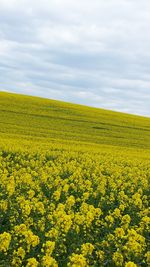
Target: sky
(91, 52)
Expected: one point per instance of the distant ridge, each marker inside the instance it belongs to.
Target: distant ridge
(73, 103)
(33, 118)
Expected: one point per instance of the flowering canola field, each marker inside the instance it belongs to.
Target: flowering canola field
(74, 204)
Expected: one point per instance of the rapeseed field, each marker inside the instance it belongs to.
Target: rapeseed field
(74, 185)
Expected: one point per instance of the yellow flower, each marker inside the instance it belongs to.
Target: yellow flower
(122, 207)
(137, 200)
(3, 205)
(10, 186)
(85, 196)
(66, 188)
(32, 262)
(56, 195)
(49, 247)
(86, 249)
(39, 206)
(5, 240)
(70, 201)
(109, 219)
(31, 193)
(118, 259)
(119, 232)
(130, 264)
(21, 229)
(41, 225)
(77, 260)
(53, 233)
(25, 206)
(148, 258)
(101, 255)
(125, 221)
(116, 213)
(48, 261)
(16, 262)
(21, 253)
(32, 240)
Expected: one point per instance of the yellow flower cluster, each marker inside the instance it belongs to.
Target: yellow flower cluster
(32, 262)
(77, 260)
(69, 208)
(5, 239)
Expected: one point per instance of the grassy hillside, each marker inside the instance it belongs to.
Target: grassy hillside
(46, 121)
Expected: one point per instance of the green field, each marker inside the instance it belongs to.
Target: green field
(47, 121)
(74, 185)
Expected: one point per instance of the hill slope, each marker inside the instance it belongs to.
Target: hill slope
(32, 118)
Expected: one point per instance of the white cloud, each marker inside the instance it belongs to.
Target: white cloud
(91, 52)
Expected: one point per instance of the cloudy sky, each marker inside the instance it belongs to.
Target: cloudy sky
(92, 52)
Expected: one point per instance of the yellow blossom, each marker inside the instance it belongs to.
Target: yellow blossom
(101, 255)
(48, 261)
(5, 239)
(118, 258)
(130, 264)
(32, 262)
(77, 260)
(49, 247)
(147, 255)
(119, 232)
(87, 248)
